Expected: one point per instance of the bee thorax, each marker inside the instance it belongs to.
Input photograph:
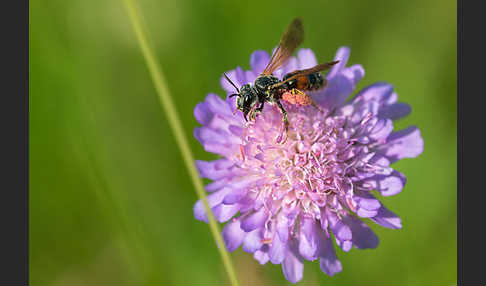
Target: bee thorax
(262, 83)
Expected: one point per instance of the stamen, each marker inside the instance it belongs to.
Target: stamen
(242, 152)
(266, 240)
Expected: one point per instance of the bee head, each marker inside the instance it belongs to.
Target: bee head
(246, 98)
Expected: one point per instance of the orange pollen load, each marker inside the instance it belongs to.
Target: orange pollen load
(297, 98)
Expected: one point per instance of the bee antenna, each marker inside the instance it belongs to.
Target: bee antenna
(234, 94)
(229, 80)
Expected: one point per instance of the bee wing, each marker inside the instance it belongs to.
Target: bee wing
(314, 69)
(291, 39)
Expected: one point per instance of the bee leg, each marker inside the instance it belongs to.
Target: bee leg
(285, 121)
(297, 91)
(253, 113)
(260, 108)
(315, 105)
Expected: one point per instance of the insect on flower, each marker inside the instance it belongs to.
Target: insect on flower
(268, 88)
(287, 202)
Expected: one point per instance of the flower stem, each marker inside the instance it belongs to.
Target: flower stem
(176, 126)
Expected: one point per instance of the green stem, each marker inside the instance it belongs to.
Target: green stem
(174, 122)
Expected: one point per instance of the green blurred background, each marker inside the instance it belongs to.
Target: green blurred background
(110, 199)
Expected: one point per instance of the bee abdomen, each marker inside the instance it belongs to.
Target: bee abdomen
(306, 82)
(315, 81)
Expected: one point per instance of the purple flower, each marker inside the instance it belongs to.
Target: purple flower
(286, 202)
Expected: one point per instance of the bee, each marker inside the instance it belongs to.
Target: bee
(251, 98)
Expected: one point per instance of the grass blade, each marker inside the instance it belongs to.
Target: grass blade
(176, 126)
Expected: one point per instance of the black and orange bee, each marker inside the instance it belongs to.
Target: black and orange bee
(268, 88)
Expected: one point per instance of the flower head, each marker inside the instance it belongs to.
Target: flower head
(286, 202)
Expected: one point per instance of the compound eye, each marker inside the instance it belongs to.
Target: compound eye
(247, 99)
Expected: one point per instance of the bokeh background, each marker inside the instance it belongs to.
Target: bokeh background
(110, 198)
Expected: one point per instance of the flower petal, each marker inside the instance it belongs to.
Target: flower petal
(253, 240)
(216, 185)
(395, 111)
(277, 250)
(363, 236)
(367, 201)
(387, 185)
(235, 196)
(306, 58)
(218, 142)
(292, 267)
(382, 129)
(328, 261)
(338, 88)
(342, 232)
(258, 61)
(342, 55)
(236, 130)
(213, 108)
(282, 227)
(290, 66)
(406, 143)
(378, 92)
(255, 220)
(214, 170)
(213, 200)
(223, 213)
(362, 212)
(233, 235)
(261, 256)
(217, 105)
(203, 114)
(387, 219)
(308, 239)
(354, 73)
(237, 76)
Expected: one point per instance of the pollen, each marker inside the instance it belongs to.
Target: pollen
(299, 98)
